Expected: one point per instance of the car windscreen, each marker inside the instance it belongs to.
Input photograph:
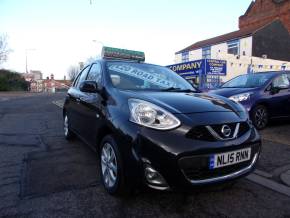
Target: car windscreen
(141, 76)
(248, 80)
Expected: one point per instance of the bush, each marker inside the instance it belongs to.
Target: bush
(12, 81)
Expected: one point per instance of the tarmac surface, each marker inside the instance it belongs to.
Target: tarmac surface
(43, 175)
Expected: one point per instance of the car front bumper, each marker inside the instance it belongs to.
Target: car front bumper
(182, 160)
(191, 168)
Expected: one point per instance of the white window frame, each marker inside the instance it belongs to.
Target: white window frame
(234, 44)
(206, 52)
(185, 56)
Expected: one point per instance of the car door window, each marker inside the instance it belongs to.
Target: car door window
(281, 81)
(82, 76)
(95, 73)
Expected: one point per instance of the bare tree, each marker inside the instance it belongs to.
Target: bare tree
(73, 72)
(4, 50)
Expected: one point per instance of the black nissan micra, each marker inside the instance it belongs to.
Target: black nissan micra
(150, 126)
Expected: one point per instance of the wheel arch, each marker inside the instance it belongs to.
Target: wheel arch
(263, 103)
(104, 131)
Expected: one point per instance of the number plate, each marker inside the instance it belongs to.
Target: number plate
(229, 158)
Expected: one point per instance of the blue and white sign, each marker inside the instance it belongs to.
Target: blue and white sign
(188, 69)
(215, 67)
(200, 67)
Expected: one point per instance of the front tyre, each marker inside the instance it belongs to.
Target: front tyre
(68, 134)
(111, 167)
(260, 117)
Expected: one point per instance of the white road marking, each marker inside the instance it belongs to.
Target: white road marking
(263, 173)
(268, 183)
(59, 103)
(4, 99)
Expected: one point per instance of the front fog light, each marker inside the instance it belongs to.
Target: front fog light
(153, 177)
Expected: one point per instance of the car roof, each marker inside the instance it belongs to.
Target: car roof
(273, 72)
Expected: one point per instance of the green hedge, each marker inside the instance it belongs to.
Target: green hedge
(12, 81)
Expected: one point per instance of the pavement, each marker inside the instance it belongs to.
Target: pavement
(43, 175)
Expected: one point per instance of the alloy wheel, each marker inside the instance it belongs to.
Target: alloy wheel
(65, 126)
(109, 165)
(261, 118)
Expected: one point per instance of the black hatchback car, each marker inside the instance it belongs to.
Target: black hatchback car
(148, 125)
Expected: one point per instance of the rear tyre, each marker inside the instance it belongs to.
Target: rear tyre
(68, 134)
(112, 168)
(260, 117)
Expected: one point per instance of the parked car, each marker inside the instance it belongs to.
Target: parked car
(265, 95)
(150, 126)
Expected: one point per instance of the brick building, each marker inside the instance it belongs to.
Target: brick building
(262, 12)
(37, 84)
(32, 75)
(52, 85)
(262, 42)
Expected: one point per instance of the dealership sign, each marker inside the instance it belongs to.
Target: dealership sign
(215, 67)
(200, 67)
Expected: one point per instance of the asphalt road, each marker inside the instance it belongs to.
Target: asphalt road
(42, 175)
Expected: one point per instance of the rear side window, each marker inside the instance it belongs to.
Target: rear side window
(81, 77)
(95, 73)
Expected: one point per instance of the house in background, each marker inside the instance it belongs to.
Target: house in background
(34, 77)
(37, 84)
(52, 85)
(261, 44)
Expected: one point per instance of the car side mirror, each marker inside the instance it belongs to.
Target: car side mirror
(274, 90)
(89, 86)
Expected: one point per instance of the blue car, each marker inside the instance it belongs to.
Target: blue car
(265, 95)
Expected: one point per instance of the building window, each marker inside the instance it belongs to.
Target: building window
(206, 52)
(185, 56)
(234, 47)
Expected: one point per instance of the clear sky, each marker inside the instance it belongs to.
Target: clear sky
(60, 33)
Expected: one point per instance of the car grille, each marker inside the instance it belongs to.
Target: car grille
(197, 167)
(213, 132)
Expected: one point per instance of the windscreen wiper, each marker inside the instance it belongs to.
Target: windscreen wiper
(173, 89)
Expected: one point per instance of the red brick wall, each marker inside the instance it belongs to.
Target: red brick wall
(265, 11)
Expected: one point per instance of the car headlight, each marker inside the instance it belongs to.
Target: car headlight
(150, 115)
(240, 97)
